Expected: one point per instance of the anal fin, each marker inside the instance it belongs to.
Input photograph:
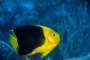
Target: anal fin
(26, 55)
(44, 54)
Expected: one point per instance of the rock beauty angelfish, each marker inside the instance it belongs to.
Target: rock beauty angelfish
(31, 39)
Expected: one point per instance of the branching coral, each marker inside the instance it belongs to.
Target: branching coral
(87, 57)
(73, 33)
(72, 22)
(4, 43)
(8, 56)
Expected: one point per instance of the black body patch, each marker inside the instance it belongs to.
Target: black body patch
(29, 38)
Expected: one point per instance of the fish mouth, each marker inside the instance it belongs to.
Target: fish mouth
(50, 41)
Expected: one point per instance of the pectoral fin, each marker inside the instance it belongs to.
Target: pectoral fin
(44, 54)
(13, 42)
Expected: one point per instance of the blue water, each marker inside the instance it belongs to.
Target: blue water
(70, 18)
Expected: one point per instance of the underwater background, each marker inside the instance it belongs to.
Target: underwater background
(70, 18)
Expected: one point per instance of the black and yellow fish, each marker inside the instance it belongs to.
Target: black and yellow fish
(28, 40)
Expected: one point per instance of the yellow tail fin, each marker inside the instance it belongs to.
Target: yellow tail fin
(13, 42)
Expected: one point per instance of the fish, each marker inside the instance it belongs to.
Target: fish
(31, 39)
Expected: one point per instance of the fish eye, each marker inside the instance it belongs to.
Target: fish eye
(53, 34)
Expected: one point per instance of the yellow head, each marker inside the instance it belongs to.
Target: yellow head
(52, 38)
(51, 35)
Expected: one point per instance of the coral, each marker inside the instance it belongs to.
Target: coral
(71, 19)
(87, 57)
(2, 43)
(73, 33)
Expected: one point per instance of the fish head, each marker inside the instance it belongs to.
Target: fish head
(53, 37)
(50, 35)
